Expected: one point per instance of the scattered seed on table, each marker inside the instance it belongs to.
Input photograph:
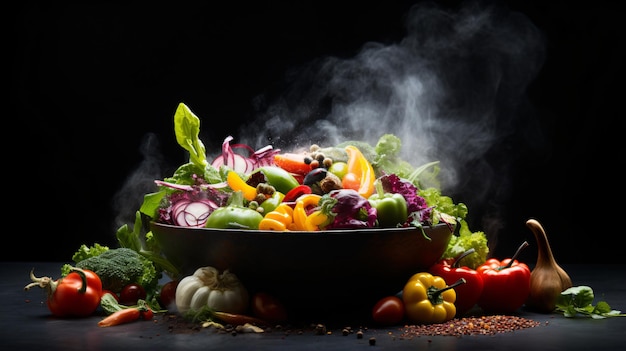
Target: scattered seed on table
(484, 325)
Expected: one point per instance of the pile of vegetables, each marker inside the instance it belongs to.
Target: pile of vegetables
(349, 185)
(353, 185)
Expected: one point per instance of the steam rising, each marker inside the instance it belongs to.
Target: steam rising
(129, 198)
(452, 89)
(449, 89)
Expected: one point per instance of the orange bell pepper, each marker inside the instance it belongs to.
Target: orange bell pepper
(360, 170)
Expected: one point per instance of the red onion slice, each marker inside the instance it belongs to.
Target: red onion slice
(244, 163)
(192, 213)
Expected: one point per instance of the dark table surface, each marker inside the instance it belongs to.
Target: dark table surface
(26, 324)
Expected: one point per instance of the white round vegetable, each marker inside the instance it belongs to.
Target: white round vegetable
(207, 287)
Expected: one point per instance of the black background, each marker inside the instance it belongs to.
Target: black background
(92, 83)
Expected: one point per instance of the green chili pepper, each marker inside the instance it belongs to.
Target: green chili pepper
(279, 178)
(391, 208)
(235, 215)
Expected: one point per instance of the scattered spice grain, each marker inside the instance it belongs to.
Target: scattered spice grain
(483, 325)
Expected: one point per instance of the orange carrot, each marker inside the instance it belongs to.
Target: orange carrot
(125, 315)
(293, 163)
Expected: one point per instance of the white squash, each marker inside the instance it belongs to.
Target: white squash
(207, 287)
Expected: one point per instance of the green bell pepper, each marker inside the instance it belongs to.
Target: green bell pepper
(272, 202)
(391, 208)
(234, 216)
(279, 178)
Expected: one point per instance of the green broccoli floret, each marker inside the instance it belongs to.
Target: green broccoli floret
(120, 267)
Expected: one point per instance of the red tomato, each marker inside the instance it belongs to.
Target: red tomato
(388, 311)
(131, 293)
(167, 297)
(75, 295)
(268, 308)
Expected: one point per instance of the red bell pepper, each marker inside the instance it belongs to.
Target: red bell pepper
(467, 294)
(506, 284)
(293, 194)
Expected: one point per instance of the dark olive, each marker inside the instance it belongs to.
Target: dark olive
(315, 176)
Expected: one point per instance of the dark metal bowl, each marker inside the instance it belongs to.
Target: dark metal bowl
(313, 273)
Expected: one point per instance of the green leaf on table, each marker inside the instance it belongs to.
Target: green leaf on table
(578, 300)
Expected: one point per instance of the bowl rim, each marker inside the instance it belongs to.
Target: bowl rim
(300, 233)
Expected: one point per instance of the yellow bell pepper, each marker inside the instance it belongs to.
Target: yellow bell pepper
(236, 183)
(285, 218)
(299, 216)
(427, 298)
(310, 222)
(309, 200)
(280, 219)
(272, 224)
(315, 219)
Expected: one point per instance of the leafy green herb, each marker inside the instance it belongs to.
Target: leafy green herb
(145, 244)
(187, 129)
(578, 300)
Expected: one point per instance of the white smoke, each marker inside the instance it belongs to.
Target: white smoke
(445, 89)
(128, 199)
(453, 89)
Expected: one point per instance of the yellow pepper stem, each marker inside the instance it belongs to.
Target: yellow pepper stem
(438, 292)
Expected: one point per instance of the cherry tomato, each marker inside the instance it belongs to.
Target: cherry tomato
(131, 293)
(388, 311)
(167, 297)
(268, 308)
(147, 314)
(350, 181)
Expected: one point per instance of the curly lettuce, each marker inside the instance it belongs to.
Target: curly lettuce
(464, 239)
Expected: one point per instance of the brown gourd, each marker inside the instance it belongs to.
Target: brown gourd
(547, 279)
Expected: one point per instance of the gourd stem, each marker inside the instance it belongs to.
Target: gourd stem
(544, 252)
